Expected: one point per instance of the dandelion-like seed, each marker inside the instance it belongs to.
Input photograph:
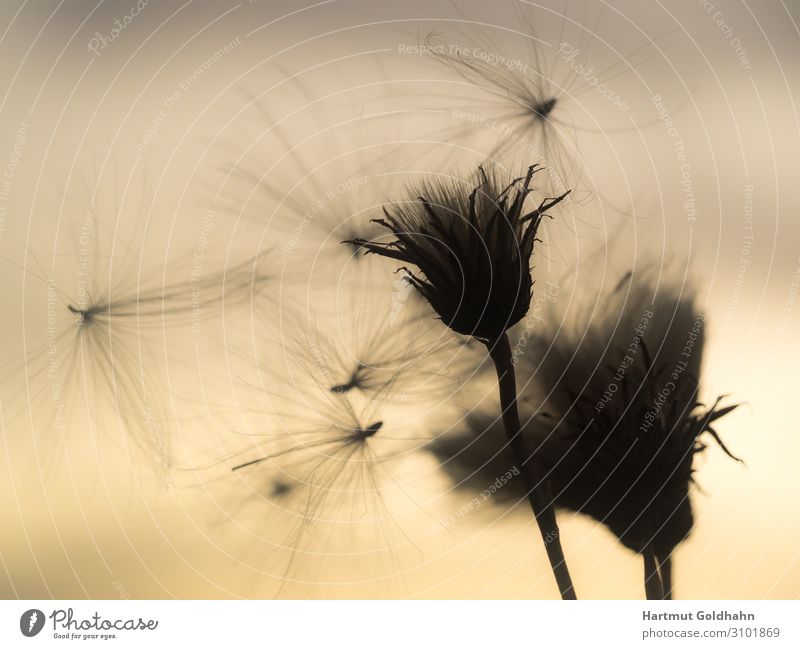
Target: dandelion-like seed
(473, 250)
(534, 91)
(526, 99)
(102, 348)
(326, 460)
(376, 347)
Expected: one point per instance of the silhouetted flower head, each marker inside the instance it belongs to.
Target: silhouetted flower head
(472, 246)
(629, 464)
(615, 427)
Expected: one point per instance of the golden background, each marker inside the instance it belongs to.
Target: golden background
(82, 517)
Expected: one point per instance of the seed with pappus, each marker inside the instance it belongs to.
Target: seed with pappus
(321, 471)
(103, 322)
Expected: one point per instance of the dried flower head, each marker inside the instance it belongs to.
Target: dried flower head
(629, 465)
(615, 428)
(473, 249)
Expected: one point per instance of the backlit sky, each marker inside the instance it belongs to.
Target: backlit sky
(145, 120)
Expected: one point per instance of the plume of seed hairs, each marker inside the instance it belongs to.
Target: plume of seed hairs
(109, 344)
(334, 456)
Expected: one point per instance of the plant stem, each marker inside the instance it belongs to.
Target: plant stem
(653, 587)
(665, 566)
(539, 493)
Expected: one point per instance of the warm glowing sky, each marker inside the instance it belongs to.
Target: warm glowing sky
(75, 529)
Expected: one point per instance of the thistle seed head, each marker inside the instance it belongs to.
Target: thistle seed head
(472, 249)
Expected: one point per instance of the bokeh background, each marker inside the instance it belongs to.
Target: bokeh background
(151, 121)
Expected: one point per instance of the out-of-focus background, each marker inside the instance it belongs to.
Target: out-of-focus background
(133, 137)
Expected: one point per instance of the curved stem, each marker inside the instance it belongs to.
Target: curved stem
(539, 494)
